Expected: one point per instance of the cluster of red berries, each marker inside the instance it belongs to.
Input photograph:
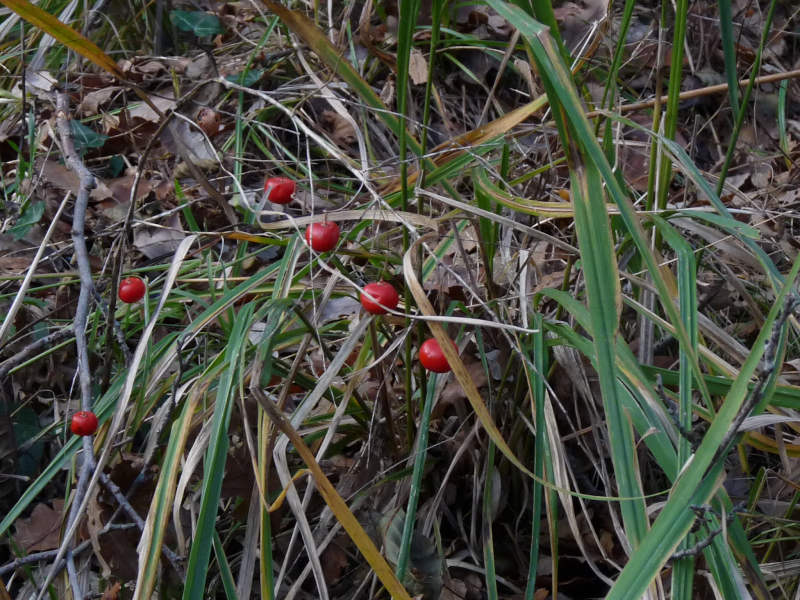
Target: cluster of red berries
(377, 298)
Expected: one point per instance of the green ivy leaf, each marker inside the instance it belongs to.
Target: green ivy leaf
(198, 22)
(85, 137)
(116, 165)
(29, 217)
(246, 78)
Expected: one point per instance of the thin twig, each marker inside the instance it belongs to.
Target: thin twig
(112, 487)
(86, 184)
(704, 91)
(31, 349)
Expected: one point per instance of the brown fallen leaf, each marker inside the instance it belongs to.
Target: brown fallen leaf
(112, 593)
(155, 241)
(334, 561)
(340, 130)
(42, 530)
(209, 121)
(417, 67)
(62, 178)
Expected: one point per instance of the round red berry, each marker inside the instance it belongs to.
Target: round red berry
(432, 357)
(131, 289)
(322, 236)
(378, 295)
(280, 190)
(84, 422)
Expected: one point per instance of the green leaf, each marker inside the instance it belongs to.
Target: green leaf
(85, 137)
(116, 165)
(246, 78)
(29, 217)
(26, 427)
(200, 23)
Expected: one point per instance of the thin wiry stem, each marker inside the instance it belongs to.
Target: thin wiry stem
(86, 184)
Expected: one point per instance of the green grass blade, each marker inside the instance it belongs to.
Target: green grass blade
(729, 51)
(486, 523)
(160, 512)
(737, 127)
(673, 96)
(216, 455)
(675, 519)
(416, 480)
(226, 575)
(603, 291)
(560, 87)
(683, 570)
(543, 461)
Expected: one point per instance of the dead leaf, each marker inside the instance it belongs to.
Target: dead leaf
(417, 67)
(576, 20)
(42, 530)
(162, 99)
(65, 179)
(334, 561)
(112, 593)
(94, 524)
(339, 307)
(499, 26)
(41, 83)
(455, 589)
(453, 391)
(340, 130)
(200, 67)
(209, 121)
(154, 241)
(183, 137)
(387, 92)
(93, 100)
(116, 207)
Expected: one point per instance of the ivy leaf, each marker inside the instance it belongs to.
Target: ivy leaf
(198, 22)
(246, 78)
(29, 217)
(85, 137)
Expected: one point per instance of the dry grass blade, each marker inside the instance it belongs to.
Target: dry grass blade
(334, 501)
(378, 215)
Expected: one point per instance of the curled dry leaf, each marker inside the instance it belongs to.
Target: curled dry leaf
(340, 130)
(209, 121)
(162, 99)
(92, 101)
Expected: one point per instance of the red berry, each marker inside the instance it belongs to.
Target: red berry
(432, 357)
(84, 422)
(322, 236)
(131, 289)
(383, 294)
(279, 190)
